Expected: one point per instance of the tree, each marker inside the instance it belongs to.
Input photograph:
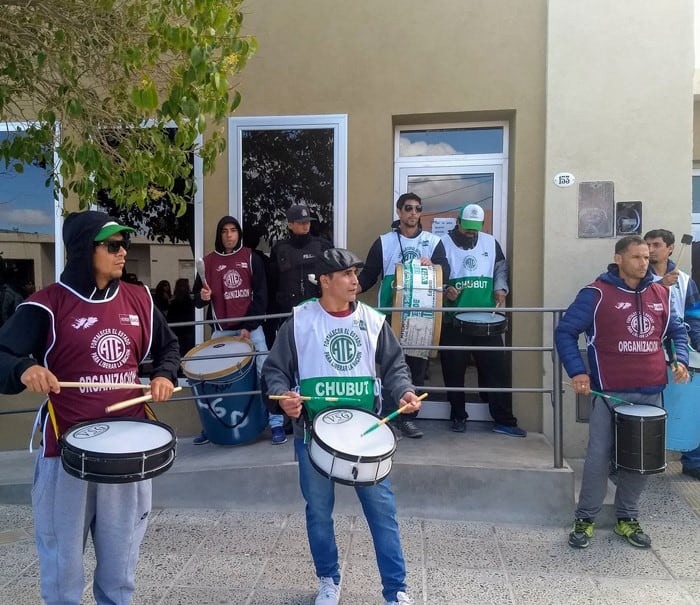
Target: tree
(110, 76)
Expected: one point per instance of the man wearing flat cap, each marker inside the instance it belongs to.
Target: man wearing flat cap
(306, 361)
(293, 259)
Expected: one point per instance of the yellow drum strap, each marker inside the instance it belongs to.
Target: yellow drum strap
(149, 412)
(52, 416)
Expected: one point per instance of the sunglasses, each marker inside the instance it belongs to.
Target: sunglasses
(409, 208)
(113, 245)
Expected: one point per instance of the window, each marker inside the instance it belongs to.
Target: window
(30, 218)
(449, 166)
(275, 162)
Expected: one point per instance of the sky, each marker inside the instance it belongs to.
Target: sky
(26, 204)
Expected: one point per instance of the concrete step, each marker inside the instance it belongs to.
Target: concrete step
(474, 476)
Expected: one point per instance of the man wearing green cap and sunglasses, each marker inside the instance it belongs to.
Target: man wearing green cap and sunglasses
(89, 327)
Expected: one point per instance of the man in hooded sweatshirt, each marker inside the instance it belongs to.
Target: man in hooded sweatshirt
(88, 327)
(236, 287)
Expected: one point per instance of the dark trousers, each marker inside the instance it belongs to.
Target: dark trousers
(418, 367)
(493, 370)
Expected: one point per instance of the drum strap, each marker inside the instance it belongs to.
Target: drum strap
(52, 417)
(150, 414)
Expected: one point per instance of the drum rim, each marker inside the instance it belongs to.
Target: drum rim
(327, 475)
(663, 414)
(501, 315)
(63, 444)
(242, 361)
(344, 455)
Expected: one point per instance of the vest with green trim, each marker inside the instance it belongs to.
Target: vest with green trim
(336, 356)
(471, 272)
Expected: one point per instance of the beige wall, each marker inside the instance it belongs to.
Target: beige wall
(404, 61)
(619, 108)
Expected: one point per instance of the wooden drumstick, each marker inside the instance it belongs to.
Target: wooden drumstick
(111, 385)
(129, 402)
(391, 416)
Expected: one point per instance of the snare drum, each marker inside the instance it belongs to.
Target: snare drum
(481, 323)
(420, 287)
(640, 438)
(230, 369)
(339, 451)
(117, 450)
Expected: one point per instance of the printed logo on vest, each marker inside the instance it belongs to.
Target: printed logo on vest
(232, 279)
(127, 319)
(110, 349)
(640, 324)
(410, 254)
(342, 349)
(84, 323)
(470, 262)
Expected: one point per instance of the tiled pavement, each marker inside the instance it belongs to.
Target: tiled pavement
(214, 557)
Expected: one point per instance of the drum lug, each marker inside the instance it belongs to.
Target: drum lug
(354, 472)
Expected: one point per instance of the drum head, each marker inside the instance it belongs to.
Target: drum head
(118, 436)
(480, 317)
(641, 410)
(341, 429)
(234, 351)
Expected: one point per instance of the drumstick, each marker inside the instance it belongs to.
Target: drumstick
(199, 263)
(606, 396)
(305, 398)
(129, 402)
(391, 416)
(111, 385)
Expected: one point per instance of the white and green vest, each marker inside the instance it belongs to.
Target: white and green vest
(337, 355)
(413, 248)
(471, 272)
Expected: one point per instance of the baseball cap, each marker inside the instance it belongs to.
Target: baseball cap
(111, 228)
(471, 217)
(338, 259)
(298, 213)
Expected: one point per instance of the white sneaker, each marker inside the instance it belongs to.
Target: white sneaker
(328, 593)
(401, 599)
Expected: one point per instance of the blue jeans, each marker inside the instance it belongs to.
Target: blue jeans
(257, 337)
(380, 511)
(691, 459)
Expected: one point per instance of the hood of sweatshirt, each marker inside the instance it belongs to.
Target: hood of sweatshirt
(218, 245)
(79, 232)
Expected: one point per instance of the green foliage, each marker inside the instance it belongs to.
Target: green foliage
(114, 75)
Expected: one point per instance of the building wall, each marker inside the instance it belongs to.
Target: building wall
(402, 62)
(619, 108)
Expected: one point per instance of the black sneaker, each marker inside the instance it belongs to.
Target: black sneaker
(459, 425)
(581, 533)
(409, 429)
(632, 532)
(692, 472)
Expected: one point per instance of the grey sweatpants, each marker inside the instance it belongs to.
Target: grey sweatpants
(65, 510)
(597, 465)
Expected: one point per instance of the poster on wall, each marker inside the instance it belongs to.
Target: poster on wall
(628, 218)
(596, 213)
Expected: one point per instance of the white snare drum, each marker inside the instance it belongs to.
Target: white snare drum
(117, 450)
(339, 451)
(420, 287)
(481, 323)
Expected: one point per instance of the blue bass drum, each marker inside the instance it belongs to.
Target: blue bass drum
(681, 404)
(230, 368)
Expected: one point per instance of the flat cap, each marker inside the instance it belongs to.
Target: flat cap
(338, 259)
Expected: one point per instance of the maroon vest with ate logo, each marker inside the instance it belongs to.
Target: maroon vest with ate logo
(629, 327)
(230, 277)
(94, 341)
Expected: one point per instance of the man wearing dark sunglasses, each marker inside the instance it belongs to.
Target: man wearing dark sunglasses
(89, 327)
(406, 242)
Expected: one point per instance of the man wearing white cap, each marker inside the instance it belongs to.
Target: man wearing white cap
(478, 278)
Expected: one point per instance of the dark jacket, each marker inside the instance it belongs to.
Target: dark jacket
(25, 333)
